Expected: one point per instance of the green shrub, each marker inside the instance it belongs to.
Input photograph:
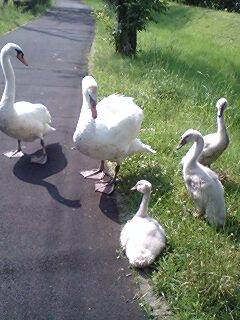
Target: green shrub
(230, 5)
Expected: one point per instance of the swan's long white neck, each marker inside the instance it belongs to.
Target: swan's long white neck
(84, 101)
(8, 96)
(143, 208)
(85, 106)
(86, 123)
(196, 149)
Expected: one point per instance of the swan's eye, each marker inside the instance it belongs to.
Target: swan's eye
(19, 52)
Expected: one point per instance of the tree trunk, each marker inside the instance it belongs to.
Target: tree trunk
(126, 39)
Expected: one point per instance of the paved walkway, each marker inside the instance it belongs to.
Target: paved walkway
(58, 238)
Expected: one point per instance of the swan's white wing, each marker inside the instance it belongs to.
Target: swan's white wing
(117, 110)
(209, 139)
(198, 187)
(118, 122)
(32, 112)
(125, 234)
(119, 104)
(214, 145)
(204, 186)
(211, 173)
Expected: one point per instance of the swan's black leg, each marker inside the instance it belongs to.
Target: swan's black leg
(43, 146)
(117, 168)
(19, 148)
(42, 159)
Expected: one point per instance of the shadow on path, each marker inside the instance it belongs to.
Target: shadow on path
(65, 16)
(35, 174)
(108, 206)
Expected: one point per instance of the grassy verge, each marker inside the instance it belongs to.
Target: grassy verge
(12, 17)
(184, 64)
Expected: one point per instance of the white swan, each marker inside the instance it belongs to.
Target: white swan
(22, 120)
(108, 130)
(214, 143)
(142, 238)
(202, 183)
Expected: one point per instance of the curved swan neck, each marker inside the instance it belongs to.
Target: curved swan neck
(9, 89)
(84, 101)
(143, 208)
(197, 148)
(220, 124)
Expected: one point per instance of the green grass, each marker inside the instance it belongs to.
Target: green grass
(11, 17)
(184, 64)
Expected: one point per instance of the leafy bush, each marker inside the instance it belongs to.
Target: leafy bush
(230, 5)
(131, 16)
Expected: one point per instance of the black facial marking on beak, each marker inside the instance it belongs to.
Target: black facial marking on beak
(20, 56)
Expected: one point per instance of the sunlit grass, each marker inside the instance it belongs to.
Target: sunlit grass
(184, 64)
(12, 17)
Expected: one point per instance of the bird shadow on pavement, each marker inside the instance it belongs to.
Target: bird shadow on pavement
(36, 174)
(108, 206)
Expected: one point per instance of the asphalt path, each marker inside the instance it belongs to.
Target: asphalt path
(58, 238)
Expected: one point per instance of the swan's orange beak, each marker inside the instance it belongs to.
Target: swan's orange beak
(20, 57)
(94, 112)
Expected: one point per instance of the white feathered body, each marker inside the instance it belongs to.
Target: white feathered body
(21, 120)
(25, 121)
(143, 239)
(113, 134)
(206, 191)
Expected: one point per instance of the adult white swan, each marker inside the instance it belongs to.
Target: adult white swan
(22, 120)
(107, 130)
(202, 183)
(142, 238)
(214, 143)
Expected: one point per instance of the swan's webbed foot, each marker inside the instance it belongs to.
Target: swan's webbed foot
(42, 159)
(97, 174)
(105, 187)
(14, 154)
(94, 174)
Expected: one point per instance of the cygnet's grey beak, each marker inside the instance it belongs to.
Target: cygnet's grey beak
(180, 145)
(134, 188)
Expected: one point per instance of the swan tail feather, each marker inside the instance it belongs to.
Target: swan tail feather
(49, 129)
(149, 149)
(138, 146)
(215, 215)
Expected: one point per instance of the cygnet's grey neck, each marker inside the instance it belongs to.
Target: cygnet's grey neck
(220, 124)
(143, 208)
(197, 149)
